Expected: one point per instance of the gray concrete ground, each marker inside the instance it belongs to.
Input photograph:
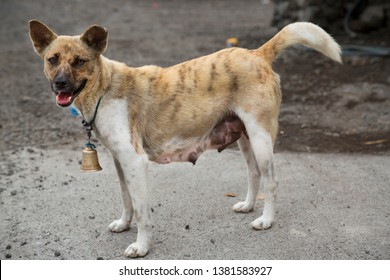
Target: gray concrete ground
(329, 207)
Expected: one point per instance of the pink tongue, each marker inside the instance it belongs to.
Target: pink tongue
(64, 98)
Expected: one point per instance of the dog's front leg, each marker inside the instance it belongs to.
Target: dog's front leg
(123, 223)
(135, 171)
(112, 127)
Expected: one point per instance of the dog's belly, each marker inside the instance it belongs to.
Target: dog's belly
(226, 132)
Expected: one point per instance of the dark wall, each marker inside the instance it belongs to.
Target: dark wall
(336, 16)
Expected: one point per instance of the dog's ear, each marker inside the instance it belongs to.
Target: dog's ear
(41, 36)
(96, 38)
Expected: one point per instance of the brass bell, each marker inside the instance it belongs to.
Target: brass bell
(89, 161)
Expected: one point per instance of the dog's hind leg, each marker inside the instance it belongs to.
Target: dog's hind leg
(270, 186)
(127, 207)
(253, 176)
(262, 145)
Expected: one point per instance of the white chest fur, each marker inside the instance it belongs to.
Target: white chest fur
(112, 125)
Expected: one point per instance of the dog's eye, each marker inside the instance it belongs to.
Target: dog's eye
(53, 60)
(78, 62)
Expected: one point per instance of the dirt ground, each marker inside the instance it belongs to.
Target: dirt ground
(326, 107)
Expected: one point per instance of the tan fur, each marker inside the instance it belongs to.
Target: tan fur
(196, 94)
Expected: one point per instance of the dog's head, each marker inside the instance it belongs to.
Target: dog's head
(71, 63)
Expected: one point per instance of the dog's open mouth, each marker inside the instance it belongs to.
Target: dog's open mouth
(65, 99)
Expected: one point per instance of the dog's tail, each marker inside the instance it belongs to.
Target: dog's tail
(304, 33)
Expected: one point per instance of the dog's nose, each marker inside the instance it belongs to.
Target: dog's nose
(61, 82)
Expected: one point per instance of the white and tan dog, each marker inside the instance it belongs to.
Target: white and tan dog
(176, 113)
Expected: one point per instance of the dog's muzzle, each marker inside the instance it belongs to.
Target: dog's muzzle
(64, 93)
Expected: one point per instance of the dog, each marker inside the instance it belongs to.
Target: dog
(174, 114)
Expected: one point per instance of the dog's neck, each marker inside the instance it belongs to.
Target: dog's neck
(95, 90)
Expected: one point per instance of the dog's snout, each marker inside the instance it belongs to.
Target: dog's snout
(61, 82)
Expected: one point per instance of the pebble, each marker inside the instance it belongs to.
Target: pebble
(57, 253)
(14, 193)
(8, 256)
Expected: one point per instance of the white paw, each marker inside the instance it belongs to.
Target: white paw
(119, 225)
(243, 206)
(262, 223)
(136, 250)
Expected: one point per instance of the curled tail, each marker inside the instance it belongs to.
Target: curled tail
(304, 33)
